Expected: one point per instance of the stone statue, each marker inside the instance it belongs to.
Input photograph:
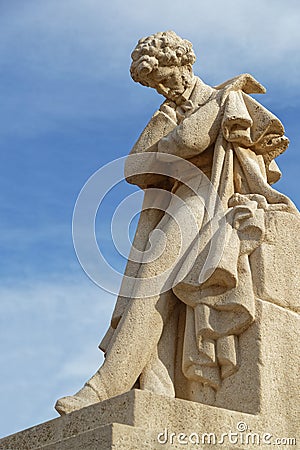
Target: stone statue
(181, 338)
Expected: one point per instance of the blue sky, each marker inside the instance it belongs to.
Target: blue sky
(69, 106)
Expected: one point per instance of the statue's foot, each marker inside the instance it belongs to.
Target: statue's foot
(85, 397)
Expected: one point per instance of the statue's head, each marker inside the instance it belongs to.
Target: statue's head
(163, 61)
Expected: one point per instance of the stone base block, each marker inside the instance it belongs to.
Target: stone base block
(142, 420)
(256, 408)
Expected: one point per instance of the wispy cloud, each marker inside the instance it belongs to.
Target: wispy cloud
(85, 36)
(67, 62)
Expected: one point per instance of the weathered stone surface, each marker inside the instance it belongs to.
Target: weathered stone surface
(274, 263)
(265, 388)
(198, 312)
(137, 419)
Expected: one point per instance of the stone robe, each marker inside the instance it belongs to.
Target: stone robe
(233, 140)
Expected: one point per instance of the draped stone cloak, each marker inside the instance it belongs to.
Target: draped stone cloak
(233, 140)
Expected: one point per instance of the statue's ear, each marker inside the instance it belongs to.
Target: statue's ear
(190, 69)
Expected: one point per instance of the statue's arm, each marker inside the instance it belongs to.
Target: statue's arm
(195, 133)
(142, 170)
(161, 123)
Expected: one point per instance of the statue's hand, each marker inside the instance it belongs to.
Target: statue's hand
(245, 199)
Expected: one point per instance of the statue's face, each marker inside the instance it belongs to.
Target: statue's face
(172, 81)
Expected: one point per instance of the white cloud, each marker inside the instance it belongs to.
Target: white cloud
(75, 52)
(96, 39)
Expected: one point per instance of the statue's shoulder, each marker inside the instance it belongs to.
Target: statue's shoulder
(244, 82)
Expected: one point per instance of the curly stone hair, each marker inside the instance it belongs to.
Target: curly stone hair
(160, 49)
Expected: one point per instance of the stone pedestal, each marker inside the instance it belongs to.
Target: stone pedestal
(142, 420)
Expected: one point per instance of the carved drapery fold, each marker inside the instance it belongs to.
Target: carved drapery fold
(222, 307)
(243, 167)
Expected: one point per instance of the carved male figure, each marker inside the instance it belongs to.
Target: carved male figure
(187, 332)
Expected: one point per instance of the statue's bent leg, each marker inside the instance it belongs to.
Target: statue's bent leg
(129, 351)
(140, 328)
